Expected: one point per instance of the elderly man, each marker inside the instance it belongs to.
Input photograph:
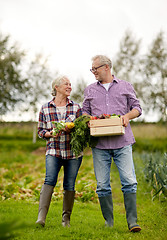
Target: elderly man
(110, 95)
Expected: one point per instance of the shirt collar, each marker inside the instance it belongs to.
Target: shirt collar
(114, 80)
(69, 102)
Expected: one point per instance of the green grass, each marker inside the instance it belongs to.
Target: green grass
(86, 222)
(22, 170)
(149, 130)
(150, 137)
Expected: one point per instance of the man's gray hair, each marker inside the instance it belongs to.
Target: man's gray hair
(103, 60)
(57, 82)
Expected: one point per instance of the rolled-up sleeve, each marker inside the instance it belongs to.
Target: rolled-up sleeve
(133, 102)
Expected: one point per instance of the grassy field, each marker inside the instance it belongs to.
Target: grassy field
(22, 168)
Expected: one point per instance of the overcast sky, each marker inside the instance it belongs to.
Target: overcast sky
(70, 32)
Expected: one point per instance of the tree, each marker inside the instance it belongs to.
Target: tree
(156, 76)
(40, 79)
(128, 63)
(12, 84)
(78, 94)
(126, 60)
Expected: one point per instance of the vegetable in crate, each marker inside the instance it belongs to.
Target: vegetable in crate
(114, 115)
(104, 116)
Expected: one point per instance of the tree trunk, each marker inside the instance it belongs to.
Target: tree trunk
(34, 133)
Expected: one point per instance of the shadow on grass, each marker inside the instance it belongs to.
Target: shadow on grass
(10, 229)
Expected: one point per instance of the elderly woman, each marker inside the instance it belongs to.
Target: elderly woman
(58, 149)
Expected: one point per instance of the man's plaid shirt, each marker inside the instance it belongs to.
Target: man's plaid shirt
(59, 147)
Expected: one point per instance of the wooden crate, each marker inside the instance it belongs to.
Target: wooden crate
(106, 127)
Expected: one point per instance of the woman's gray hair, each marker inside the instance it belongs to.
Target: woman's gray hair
(57, 82)
(103, 60)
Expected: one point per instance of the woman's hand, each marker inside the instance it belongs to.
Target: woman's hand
(66, 129)
(57, 134)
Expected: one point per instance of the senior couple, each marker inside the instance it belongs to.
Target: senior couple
(107, 95)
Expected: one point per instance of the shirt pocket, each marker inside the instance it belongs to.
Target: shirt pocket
(119, 104)
(97, 97)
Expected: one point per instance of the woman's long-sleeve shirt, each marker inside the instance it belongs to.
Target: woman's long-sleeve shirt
(59, 147)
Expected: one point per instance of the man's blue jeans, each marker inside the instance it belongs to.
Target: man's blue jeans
(71, 167)
(102, 159)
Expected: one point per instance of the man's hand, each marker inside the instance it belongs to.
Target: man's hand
(125, 120)
(130, 115)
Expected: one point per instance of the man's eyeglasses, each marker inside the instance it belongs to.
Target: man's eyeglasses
(95, 68)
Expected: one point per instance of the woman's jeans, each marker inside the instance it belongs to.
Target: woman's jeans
(71, 167)
(102, 159)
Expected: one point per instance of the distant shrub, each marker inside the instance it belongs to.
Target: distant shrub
(150, 145)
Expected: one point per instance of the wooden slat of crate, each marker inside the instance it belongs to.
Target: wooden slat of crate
(107, 131)
(106, 122)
